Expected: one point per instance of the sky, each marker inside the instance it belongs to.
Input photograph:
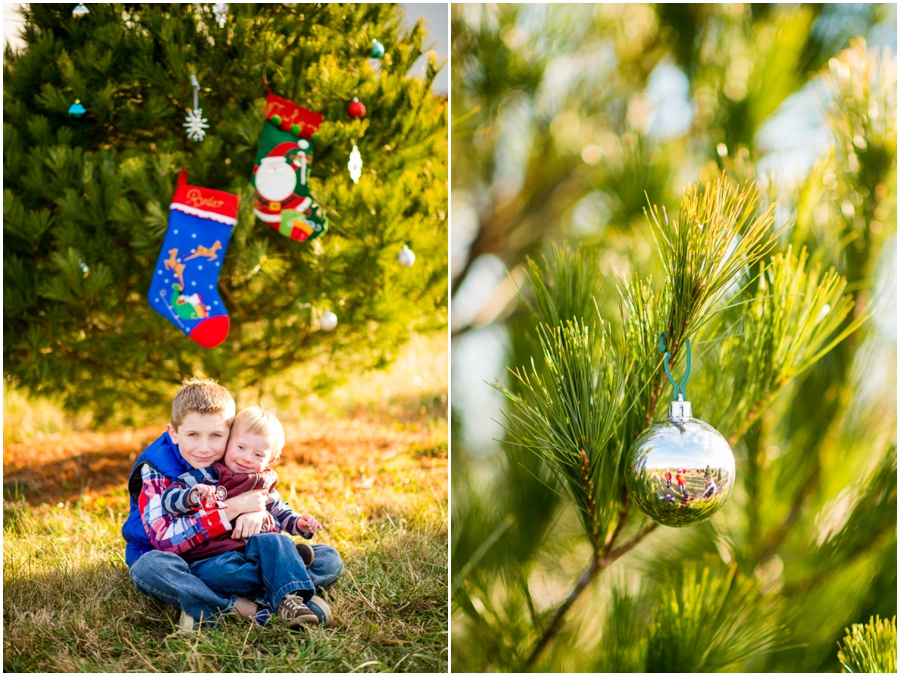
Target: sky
(437, 23)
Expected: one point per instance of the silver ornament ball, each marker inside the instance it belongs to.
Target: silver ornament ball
(406, 257)
(680, 471)
(328, 320)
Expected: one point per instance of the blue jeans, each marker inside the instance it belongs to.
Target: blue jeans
(167, 577)
(268, 561)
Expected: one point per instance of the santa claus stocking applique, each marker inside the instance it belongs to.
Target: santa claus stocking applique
(184, 281)
(281, 171)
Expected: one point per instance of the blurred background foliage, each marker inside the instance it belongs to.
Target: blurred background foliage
(569, 119)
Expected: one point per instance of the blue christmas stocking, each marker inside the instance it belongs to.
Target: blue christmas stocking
(184, 281)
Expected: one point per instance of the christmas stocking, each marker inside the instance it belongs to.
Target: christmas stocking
(184, 281)
(281, 171)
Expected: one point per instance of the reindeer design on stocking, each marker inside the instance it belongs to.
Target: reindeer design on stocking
(201, 250)
(188, 307)
(174, 263)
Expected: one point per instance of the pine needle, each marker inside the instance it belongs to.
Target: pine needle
(870, 648)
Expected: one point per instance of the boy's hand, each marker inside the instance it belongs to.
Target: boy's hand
(251, 501)
(204, 491)
(308, 524)
(248, 524)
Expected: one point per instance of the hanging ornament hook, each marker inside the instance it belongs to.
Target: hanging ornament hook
(195, 123)
(680, 394)
(196, 86)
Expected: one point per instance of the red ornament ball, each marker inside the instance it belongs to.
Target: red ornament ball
(356, 110)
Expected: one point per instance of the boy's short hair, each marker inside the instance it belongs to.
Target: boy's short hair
(254, 420)
(203, 396)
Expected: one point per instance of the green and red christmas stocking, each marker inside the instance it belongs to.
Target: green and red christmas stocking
(281, 171)
(187, 272)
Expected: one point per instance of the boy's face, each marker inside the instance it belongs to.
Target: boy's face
(248, 452)
(201, 438)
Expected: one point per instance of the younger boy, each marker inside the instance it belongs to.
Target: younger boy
(266, 559)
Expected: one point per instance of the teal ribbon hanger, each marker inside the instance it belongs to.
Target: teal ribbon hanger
(679, 392)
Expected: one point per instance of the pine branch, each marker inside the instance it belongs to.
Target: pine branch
(777, 538)
(709, 616)
(699, 267)
(555, 625)
(797, 315)
(623, 517)
(591, 505)
(870, 648)
(569, 414)
(722, 230)
(599, 562)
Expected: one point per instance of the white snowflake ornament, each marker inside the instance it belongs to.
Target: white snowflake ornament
(195, 124)
(221, 11)
(355, 164)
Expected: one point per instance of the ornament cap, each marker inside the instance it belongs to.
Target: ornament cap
(680, 410)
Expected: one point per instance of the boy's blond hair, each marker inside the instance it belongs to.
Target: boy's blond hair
(254, 420)
(201, 396)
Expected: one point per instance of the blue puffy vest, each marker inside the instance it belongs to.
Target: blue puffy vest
(165, 457)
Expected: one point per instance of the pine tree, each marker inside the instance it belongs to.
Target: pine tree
(86, 200)
(553, 567)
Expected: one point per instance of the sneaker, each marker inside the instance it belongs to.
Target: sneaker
(306, 552)
(185, 622)
(263, 615)
(322, 610)
(294, 612)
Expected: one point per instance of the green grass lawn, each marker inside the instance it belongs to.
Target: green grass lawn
(375, 476)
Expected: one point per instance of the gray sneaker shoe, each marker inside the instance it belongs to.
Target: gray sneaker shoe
(322, 610)
(306, 552)
(294, 612)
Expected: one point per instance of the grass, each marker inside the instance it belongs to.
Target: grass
(375, 474)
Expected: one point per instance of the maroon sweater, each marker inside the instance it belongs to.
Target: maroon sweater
(235, 483)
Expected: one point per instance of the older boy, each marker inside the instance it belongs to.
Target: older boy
(202, 413)
(265, 561)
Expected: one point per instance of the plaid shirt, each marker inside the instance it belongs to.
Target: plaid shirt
(175, 533)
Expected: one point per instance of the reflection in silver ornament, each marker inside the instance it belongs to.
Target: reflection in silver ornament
(80, 10)
(680, 471)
